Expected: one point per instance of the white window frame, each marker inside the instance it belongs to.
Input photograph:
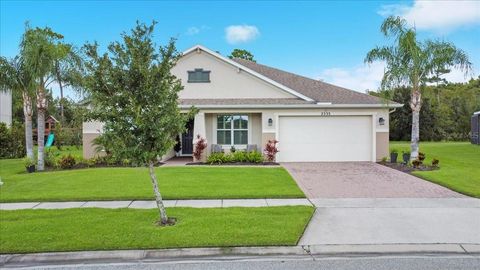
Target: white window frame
(232, 129)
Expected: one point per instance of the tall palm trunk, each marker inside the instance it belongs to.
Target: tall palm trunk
(158, 196)
(27, 112)
(41, 109)
(59, 79)
(415, 105)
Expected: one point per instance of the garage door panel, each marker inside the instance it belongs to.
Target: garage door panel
(334, 138)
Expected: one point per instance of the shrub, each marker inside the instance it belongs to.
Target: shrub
(254, 157)
(27, 162)
(218, 158)
(271, 150)
(200, 146)
(239, 156)
(435, 162)
(12, 141)
(66, 162)
(178, 145)
(126, 162)
(384, 159)
(50, 157)
(91, 162)
(421, 156)
(83, 162)
(416, 163)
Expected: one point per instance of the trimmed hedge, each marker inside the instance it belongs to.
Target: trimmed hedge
(237, 156)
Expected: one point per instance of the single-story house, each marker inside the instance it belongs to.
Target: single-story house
(245, 103)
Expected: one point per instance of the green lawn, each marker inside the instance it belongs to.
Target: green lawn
(134, 183)
(25, 231)
(459, 164)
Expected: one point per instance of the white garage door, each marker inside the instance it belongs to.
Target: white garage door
(332, 138)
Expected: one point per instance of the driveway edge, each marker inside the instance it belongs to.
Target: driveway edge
(52, 258)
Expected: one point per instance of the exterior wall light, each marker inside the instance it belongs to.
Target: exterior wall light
(270, 122)
(381, 121)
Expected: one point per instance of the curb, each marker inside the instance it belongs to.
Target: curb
(306, 252)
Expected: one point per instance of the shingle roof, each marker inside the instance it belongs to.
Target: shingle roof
(314, 89)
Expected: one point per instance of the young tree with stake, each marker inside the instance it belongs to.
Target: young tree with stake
(135, 95)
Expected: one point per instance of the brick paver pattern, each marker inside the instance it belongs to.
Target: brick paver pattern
(361, 180)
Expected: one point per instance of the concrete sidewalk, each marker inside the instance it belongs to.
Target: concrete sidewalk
(151, 204)
(394, 221)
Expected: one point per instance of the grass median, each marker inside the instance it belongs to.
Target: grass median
(459, 164)
(27, 231)
(187, 182)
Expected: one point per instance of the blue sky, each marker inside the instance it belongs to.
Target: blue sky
(323, 40)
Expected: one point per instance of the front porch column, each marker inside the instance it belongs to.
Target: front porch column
(199, 129)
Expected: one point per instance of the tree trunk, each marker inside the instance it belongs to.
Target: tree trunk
(41, 109)
(158, 196)
(27, 112)
(415, 105)
(59, 79)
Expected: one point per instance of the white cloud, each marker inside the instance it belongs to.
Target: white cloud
(369, 77)
(458, 76)
(194, 30)
(241, 33)
(359, 78)
(441, 16)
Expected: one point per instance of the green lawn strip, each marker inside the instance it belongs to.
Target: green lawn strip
(27, 231)
(134, 184)
(459, 165)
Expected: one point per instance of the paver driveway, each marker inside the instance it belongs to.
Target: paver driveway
(361, 180)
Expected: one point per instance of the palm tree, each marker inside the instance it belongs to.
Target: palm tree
(16, 77)
(412, 63)
(42, 49)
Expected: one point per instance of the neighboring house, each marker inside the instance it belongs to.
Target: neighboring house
(242, 102)
(6, 107)
(475, 132)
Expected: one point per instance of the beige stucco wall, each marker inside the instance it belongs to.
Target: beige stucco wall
(88, 147)
(226, 81)
(90, 131)
(260, 131)
(256, 133)
(210, 123)
(382, 145)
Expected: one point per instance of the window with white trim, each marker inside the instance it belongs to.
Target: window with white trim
(198, 75)
(232, 129)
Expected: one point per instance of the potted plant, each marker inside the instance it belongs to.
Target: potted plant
(178, 146)
(29, 164)
(406, 157)
(393, 155)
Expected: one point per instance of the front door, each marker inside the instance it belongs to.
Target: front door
(187, 139)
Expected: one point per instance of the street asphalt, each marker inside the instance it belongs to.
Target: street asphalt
(447, 262)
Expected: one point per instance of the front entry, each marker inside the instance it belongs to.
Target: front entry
(187, 139)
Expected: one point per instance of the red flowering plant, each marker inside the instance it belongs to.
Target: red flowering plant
(271, 150)
(200, 145)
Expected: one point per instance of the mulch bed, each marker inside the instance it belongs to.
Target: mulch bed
(408, 168)
(237, 164)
